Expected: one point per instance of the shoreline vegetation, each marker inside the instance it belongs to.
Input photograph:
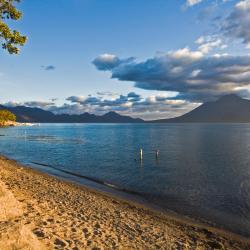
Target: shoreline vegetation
(16, 124)
(7, 119)
(38, 211)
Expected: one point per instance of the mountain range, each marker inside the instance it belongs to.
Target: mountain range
(228, 108)
(37, 115)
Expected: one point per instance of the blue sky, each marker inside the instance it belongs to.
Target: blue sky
(65, 37)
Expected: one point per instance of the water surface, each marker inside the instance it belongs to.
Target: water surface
(203, 170)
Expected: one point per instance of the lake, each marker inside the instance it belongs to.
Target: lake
(203, 170)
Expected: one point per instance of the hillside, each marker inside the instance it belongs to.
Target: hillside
(37, 115)
(229, 108)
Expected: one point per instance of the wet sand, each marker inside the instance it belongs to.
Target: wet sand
(38, 211)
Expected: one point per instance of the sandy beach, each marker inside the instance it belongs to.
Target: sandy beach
(38, 211)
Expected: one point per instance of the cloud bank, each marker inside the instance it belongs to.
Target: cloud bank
(152, 107)
(193, 74)
(133, 104)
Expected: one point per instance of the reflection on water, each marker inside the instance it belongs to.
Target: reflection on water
(203, 170)
(49, 139)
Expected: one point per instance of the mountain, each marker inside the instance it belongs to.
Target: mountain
(111, 116)
(37, 115)
(26, 114)
(228, 108)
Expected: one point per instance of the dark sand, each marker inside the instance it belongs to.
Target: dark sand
(38, 211)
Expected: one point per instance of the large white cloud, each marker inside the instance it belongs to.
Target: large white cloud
(195, 76)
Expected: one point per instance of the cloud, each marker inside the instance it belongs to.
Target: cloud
(109, 61)
(209, 43)
(133, 95)
(133, 104)
(106, 62)
(236, 25)
(107, 93)
(192, 2)
(11, 104)
(185, 54)
(76, 99)
(49, 67)
(99, 101)
(68, 109)
(206, 13)
(194, 75)
(37, 104)
(158, 106)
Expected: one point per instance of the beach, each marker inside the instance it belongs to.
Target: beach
(38, 211)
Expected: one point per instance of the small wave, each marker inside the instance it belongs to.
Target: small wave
(244, 193)
(110, 185)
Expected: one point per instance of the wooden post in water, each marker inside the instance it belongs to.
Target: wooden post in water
(141, 154)
(157, 154)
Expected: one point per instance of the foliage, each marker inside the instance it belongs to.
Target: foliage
(10, 39)
(6, 116)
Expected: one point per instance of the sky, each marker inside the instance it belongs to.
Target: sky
(144, 58)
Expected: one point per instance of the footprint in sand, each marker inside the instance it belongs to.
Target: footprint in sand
(50, 220)
(59, 242)
(39, 233)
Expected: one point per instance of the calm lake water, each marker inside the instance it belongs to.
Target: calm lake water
(203, 170)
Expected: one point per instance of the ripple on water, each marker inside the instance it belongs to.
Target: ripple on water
(50, 139)
(244, 193)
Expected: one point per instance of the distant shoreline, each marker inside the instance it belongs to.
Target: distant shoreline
(17, 124)
(73, 205)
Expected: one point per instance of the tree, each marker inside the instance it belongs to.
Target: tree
(6, 116)
(10, 39)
